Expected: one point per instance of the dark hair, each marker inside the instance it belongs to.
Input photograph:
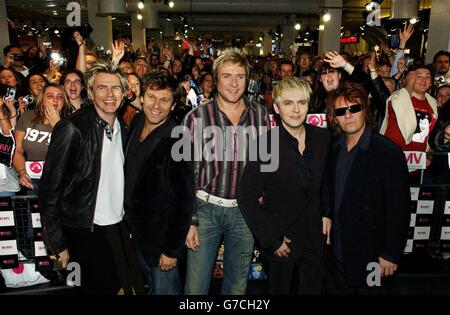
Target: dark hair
(311, 73)
(77, 72)
(143, 58)
(444, 116)
(32, 75)
(18, 76)
(442, 87)
(286, 62)
(203, 77)
(438, 54)
(352, 92)
(8, 48)
(159, 80)
(417, 67)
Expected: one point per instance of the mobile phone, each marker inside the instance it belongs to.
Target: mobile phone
(192, 83)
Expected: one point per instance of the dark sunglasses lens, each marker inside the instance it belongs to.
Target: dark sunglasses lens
(355, 108)
(340, 111)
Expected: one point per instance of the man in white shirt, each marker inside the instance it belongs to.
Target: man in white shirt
(82, 190)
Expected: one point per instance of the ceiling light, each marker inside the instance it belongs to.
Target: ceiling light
(326, 17)
(298, 26)
(139, 16)
(141, 5)
(171, 4)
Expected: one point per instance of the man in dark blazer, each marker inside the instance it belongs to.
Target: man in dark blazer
(370, 197)
(288, 209)
(159, 192)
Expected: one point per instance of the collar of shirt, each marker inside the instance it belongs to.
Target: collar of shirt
(294, 142)
(248, 106)
(110, 134)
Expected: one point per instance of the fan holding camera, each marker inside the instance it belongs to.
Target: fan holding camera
(15, 60)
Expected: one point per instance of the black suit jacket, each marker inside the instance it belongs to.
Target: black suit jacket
(287, 210)
(374, 213)
(160, 207)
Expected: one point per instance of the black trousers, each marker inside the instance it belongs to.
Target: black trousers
(107, 260)
(337, 282)
(305, 275)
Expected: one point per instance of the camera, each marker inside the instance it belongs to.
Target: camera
(18, 57)
(10, 94)
(441, 80)
(57, 59)
(28, 99)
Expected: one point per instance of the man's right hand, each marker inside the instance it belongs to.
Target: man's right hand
(63, 258)
(192, 241)
(284, 250)
(25, 180)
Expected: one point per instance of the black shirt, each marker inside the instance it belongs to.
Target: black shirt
(343, 167)
(302, 160)
(137, 152)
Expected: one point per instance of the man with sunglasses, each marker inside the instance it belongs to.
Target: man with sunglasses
(370, 197)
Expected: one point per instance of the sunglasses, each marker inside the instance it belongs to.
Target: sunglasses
(352, 108)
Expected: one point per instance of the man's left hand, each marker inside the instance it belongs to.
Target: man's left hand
(387, 268)
(167, 263)
(326, 228)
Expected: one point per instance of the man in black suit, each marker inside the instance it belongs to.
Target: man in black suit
(369, 189)
(159, 191)
(288, 209)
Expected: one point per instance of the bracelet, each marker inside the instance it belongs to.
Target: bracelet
(22, 169)
(17, 112)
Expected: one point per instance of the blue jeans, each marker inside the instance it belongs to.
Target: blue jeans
(7, 194)
(160, 282)
(215, 222)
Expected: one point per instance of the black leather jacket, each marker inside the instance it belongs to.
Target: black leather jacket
(69, 183)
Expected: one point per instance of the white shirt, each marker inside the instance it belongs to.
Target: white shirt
(109, 207)
(25, 72)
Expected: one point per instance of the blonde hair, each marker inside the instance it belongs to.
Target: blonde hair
(104, 67)
(291, 83)
(231, 55)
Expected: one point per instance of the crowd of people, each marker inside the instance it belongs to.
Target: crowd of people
(102, 132)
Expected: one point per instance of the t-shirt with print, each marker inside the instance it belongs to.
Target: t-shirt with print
(37, 137)
(425, 120)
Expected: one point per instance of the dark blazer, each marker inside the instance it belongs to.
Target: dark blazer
(160, 207)
(287, 209)
(374, 213)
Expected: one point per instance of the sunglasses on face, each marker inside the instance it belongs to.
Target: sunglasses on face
(352, 108)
